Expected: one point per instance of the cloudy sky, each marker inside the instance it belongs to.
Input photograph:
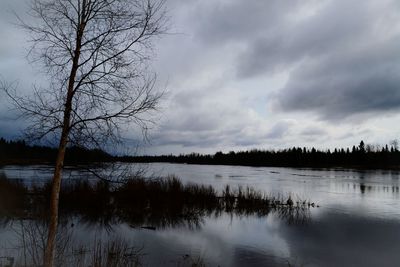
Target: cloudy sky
(244, 74)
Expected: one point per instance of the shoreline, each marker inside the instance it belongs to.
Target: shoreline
(29, 162)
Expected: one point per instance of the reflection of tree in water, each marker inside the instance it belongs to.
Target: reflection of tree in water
(110, 251)
(391, 189)
(369, 187)
(362, 188)
(29, 246)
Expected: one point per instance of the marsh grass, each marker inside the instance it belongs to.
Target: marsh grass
(142, 202)
(113, 253)
(12, 194)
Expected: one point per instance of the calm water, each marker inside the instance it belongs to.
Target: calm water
(357, 223)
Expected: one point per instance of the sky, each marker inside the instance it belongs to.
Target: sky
(257, 74)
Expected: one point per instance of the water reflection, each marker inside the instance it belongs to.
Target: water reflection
(28, 245)
(366, 188)
(159, 205)
(150, 204)
(345, 240)
(357, 225)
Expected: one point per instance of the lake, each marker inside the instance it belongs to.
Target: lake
(357, 222)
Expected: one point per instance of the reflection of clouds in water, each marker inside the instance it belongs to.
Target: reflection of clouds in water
(334, 236)
(345, 240)
(199, 243)
(331, 240)
(166, 246)
(244, 256)
(252, 232)
(232, 241)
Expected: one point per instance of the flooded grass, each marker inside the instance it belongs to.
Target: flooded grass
(12, 194)
(141, 202)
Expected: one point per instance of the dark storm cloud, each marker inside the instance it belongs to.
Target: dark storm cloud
(362, 78)
(346, 61)
(334, 26)
(337, 95)
(338, 59)
(342, 59)
(219, 22)
(344, 55)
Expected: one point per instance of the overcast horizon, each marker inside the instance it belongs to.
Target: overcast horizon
(257, 74)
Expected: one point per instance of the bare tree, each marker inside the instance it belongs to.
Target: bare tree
(94, 53)
(395, 144)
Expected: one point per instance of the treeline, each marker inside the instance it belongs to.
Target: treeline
(19, 152)
(362, 156)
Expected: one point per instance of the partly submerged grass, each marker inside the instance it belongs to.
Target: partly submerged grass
(158, 202)
(139, 202)
(12, 196)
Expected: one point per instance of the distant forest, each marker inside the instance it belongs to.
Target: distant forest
(19, 152)
(359, 156)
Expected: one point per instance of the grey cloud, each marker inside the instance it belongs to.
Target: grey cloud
(187, 139)
(334, 27)
(226, 21)
(229, 128)
(278, 130)
(10, 129)
(348, 84)
(343, 61)
(211, 139)
(313, 131)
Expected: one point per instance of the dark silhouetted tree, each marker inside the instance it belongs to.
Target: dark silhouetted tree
(94, 53)
(361, 147)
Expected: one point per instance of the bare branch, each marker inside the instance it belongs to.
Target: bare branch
(110, 41)
(95, 53)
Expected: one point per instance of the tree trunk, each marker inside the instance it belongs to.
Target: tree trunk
(54, 200)
(56, 186)
(56, 183)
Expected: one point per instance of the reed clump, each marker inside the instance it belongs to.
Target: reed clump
(12, 195)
